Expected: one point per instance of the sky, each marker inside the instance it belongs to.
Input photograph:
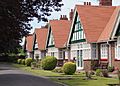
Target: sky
(68, 5)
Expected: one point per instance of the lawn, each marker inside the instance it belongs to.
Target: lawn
(100, 81)
(70, 80)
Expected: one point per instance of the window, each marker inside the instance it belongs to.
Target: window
(61, 54)
(52, 54)
(104, 51)
(86, 50)
(94, 46)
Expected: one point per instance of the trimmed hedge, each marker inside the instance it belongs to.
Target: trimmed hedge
(49, 63)
(69, 68)
(23, 61)
(19, 61)
(28, 61)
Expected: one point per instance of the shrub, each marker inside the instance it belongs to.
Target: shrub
(28, 61)
(69, 68)
(23, 61)
(19, 61)
(49, 63)
(98, 72)
(105, 73)
(110, 69)
(33, 65)
(58, 70)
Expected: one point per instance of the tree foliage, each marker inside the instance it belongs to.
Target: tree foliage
(15, 16)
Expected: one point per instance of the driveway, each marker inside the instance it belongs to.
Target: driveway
(10, 76)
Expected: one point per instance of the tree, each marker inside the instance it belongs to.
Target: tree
(15, 16)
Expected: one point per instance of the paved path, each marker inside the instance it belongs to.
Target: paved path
(10, 76)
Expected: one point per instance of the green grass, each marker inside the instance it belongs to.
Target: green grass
(70, 80)
(100, 81)
(36, 72)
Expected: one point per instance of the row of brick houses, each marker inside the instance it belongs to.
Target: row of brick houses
(92, 35)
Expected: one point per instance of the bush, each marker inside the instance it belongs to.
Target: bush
(98, 72)
(110, 69)
(23, 61)
(49, 63)
(33, 65)
(58, 70)
(69, 68)
(19, 61)
(105, 73)
(28, 61)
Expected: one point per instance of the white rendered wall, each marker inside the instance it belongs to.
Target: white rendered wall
(81, 46)
(52, 49)
(37, 52)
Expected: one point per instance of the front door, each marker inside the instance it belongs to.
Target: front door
(79, 59)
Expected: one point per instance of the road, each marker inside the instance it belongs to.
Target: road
(10, 76)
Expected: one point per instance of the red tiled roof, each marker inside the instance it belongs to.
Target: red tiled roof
(29, 42)
(41, 36)
(94, 20)
(107, 32)
(60, 30)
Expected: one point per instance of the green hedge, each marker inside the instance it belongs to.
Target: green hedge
(28, 61)
(19, 61)
(69, 68)
(23, 61)
(49, 63)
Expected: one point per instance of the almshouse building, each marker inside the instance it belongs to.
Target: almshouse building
(39, 42)
(90, 39)
(58, 32)
(90, 36)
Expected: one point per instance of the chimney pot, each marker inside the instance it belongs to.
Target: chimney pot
(61, 17)
(89, 3)
(71, 14)
(84, 3)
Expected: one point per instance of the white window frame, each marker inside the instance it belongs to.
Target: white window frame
(104, 51)
(94, 51)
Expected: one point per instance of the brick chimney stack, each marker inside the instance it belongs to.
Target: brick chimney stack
(87, 3)
(71, 14)
(63, 17)
(105, 2)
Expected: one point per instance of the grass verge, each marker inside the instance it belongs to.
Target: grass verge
(70, 80)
